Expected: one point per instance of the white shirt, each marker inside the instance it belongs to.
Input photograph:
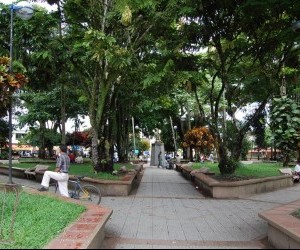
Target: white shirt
(297, 168)
(178, 159)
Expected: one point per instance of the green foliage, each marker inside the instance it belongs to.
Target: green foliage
(246, 146)
(39, 219)
(48, 138)
(4, 131)
(105, 47)
(146, 59)
(4, 155)
(229, 167)
(255, 170)
(285, 123)
(259, 126)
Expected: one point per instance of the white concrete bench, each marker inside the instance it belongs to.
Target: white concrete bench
(289, 171)
(30, 173)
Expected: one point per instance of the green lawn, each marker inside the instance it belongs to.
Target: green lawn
(84, 169)
(255, 170)
(39, 219)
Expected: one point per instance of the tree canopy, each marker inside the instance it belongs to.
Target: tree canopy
(204, 61)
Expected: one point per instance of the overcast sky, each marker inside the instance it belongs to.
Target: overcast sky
(41, 4)
(6, 1)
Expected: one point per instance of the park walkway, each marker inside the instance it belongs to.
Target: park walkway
(168, 212)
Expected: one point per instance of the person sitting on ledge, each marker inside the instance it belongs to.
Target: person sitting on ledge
(297, 168)
(60, 174)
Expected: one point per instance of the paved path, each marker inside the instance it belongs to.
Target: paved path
(167, 211)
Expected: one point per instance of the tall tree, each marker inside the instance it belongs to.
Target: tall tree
(115, 38)
(244, 57)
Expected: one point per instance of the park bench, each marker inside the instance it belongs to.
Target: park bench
(289, 171)
(30, 173)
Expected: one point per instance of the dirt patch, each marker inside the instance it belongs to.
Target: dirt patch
(126, 178)
(231, 178)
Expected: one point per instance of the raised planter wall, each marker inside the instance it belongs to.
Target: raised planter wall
(236, 189)
(186, 172)
(112, 188)
(241, 189)
(16, 172)
(283, 228)
(107, 188)
(87, 232)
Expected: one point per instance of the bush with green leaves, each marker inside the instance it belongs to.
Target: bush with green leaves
(285, 125)
(4, 155)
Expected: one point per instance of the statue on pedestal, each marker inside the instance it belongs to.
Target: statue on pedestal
(157, 133)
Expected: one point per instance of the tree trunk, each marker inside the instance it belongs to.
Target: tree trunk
(106, 152)
(42, 146)
(63, 94)
(95, 152)
(226, 165)
(286, 159)
(102, 153)
(237, 148)
(63, 114)
(122, 138)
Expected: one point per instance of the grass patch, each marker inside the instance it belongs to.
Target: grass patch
(85, 169)
(252, 171)
(39, 219)
(36, 160)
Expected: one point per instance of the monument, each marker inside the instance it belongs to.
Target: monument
(156, 148)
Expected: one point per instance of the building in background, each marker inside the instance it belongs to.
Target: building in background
(20, 149)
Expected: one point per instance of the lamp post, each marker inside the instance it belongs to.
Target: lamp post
(133, 134)
(175, 138)
(24, 10)
(173, 132)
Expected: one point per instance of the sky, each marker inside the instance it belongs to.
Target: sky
(41, 4)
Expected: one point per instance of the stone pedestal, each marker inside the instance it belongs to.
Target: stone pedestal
(155, 149)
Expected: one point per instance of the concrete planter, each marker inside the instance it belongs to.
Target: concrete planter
(283, 228)
(87, 232)
(107, 187)
(236, 189)
(16, 172)
(112, 188)
(240, 189)
(186, 172)
(178, 167)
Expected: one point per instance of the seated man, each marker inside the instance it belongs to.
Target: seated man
(60, 174)
(297, 168)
